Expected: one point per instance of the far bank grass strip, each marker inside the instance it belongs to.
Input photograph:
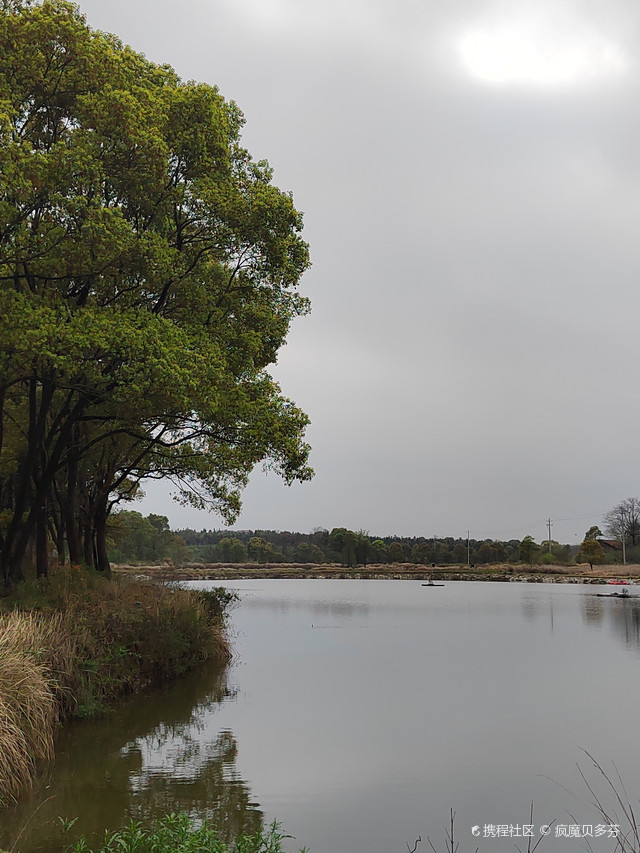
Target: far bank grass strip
(74, 643)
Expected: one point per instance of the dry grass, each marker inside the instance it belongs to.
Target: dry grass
(28, 707)
(76, 642)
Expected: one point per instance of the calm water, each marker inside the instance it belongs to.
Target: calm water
(359, 712)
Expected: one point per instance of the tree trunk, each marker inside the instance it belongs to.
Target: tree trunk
(87, 545)
(42, 541)
(100, 527)
(72, 512)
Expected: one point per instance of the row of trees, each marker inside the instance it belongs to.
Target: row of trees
(133, 538)
(148, 274)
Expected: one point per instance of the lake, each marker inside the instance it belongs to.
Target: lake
(358, 713)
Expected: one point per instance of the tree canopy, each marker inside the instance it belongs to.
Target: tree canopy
(148, 277)
(592, 552)
(623, 521)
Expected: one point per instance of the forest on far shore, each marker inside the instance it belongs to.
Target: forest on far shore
(133, 538)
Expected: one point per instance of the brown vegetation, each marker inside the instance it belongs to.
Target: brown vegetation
(409, 571)
(72, 643)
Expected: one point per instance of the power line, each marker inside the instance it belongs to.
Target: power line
(539, 523)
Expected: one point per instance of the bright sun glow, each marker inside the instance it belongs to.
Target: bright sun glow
(522, 55)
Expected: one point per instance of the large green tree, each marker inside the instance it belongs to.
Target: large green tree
(148, 275)
(528, 550)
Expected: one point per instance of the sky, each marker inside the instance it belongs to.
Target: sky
(469, 174)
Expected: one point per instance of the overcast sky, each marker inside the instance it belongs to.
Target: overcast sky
(469, 173)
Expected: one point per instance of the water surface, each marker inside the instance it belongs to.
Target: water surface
(359, 712)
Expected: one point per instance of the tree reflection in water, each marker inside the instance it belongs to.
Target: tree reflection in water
(622, 615)
(153, 754)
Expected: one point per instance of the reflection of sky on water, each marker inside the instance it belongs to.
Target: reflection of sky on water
(450, 699)
(621, 616)
(598, 607)
(344, 609)
(468, 696)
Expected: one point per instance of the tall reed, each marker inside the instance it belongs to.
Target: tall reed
(28, 707)
(76, 642)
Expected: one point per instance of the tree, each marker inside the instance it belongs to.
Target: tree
(593, 532)
(231, 550)
(459, 553)
(148, 277)
(133, 538)
(343, 543)
(307, 552)
(362, 547)
(396, 553)
(378, 551)
(259, 549)
(591, 552)
(623, 521)
(485, 553)
(421, 553)
(528, 550)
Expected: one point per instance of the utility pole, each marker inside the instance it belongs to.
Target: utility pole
(623, 535)
(468, 560)
(549, 526)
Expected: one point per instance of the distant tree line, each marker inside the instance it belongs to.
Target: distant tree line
(134, 538)
(137, 539)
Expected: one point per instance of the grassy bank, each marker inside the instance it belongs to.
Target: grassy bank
(393, 571)
(72, 644)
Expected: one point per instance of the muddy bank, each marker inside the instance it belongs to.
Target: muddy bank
(395, 571)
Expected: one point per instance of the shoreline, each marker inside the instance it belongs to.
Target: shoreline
(503, 573)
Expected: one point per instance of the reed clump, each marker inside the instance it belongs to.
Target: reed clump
(72, 644)
(28, 708)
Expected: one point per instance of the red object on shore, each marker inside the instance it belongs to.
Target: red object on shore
(618, 583)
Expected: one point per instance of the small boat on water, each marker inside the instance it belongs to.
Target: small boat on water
(618, 583)
(624, 593)
(431, 583)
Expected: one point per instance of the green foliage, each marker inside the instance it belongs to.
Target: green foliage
(340, 546)
(378, 551)
(307, 552)
(176, 833)
(218, 602)
(362, 547)
(343, 543)
(262, 551)
(528, 550)
(148, 278)
(459, 553)
(591, 552)
(231, 550)
(484, 554)
(134, 539)
(593, 532)
(396, 553)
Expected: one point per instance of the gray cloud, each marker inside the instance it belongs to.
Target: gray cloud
(471, 357)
